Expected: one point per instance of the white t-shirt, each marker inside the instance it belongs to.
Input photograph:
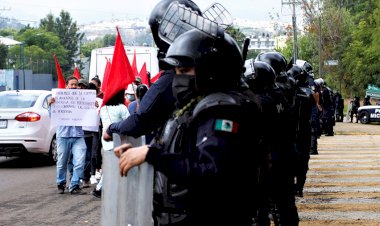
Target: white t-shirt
(110, 114)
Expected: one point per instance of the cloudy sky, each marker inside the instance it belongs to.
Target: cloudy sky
(87, 11)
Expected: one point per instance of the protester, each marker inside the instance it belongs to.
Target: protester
(98, 85)
(130, 93)
(113, 110)
(91, 136)
(70, 140)
(140, 93)
(97, 155)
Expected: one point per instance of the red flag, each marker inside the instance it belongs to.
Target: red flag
(134, 65)
(61, 79)
(156, 77)
(106, 75)
(144, 75)
(76, 73)
(120, 73)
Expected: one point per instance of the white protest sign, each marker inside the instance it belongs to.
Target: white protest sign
(74, 107)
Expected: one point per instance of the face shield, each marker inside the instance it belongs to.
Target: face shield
(178, 19)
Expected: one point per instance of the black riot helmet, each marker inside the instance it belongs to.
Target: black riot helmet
(299, 74)
(156, 17)
(141, 91)
(306, 66)
(218, 61)
(276, 60)
(261, 75)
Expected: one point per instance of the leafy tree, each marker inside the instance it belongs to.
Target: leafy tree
(38, 48)
(3, 56)
(48, 23)
(87, 47)
(8, 32)
(69, 35)
(109, 40)
(374, 51)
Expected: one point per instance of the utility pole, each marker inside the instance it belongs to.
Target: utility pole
(294, 21)
(320, 42)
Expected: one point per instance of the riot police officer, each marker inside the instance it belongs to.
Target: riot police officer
(315, 115)
(339, 106)
(367, 100)
(202, 147)
(279, 64)
(328, 115)
(279, 136)
(304, 103)
(354, 106)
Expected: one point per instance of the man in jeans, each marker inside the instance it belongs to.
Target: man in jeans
(70, 140)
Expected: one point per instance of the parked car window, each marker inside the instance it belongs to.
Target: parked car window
(17, 101)
(45, 104)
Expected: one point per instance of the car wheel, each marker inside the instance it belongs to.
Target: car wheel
(53, 150)
(364, 117)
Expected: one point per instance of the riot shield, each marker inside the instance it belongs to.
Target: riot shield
(126, 200)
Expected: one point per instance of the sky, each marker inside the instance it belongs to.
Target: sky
(88, 11)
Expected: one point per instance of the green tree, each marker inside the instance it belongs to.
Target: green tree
(87, 47)
(69, 35)
(38, 50)
(109, 40)
(8, 32)
(48, 23)
(3, 56)
(360, 57)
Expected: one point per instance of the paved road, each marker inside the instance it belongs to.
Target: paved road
(28, 197)
(343, 186)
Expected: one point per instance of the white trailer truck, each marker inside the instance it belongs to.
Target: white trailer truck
(144, 54)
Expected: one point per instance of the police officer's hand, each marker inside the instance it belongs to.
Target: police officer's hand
(106, 136)
(130, 156)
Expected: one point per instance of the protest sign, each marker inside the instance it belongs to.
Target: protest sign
(74, 107)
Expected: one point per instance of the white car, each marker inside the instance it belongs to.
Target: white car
(25, 123)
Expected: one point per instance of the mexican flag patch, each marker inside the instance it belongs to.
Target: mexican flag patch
(226, 125)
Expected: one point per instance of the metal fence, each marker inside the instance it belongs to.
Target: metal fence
(38, 66)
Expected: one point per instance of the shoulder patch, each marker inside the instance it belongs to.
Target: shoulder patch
(226, 125)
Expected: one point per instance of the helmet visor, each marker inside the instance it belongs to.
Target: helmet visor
(217, 13)
(178, 19)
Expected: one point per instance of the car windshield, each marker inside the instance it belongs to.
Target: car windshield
(17, 100)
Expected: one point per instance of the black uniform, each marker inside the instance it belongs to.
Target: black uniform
(328, 115)
(277, 173)
(303, 108)
(155, 108)
(339, 106)
(355, 104)
(367, 101)
(209, 153)
(315, 125)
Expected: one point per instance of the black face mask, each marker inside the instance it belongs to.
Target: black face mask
(184, 88)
